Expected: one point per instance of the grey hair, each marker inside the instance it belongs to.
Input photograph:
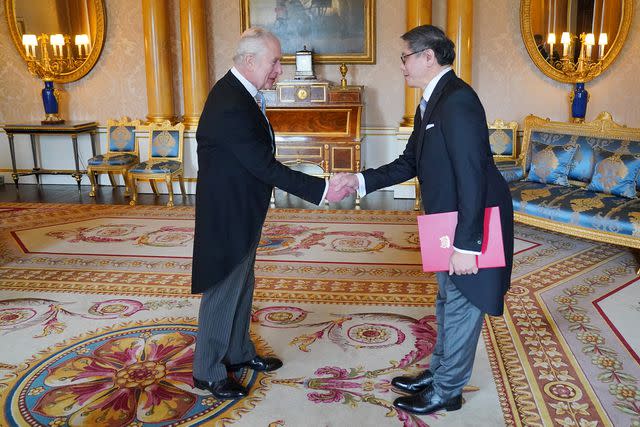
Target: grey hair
(252, 42)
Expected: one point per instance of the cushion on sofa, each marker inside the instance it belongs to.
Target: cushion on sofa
(581, 167)
(550, 163)
(615, 173)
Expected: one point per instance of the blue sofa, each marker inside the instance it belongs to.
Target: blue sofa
(579, 179)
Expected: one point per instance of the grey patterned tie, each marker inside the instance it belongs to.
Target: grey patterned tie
(423, 107)
(261, 102)
(263, 107)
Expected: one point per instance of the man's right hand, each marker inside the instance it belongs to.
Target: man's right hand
(341, 186)
(342, 180)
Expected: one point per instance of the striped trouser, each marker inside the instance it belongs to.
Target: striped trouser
(223, 323)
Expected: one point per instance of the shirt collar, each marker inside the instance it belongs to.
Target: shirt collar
(428, 91)
(253, 91)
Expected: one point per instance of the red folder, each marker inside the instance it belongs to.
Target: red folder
(437, 232)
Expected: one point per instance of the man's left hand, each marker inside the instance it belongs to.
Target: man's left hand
(462, 263)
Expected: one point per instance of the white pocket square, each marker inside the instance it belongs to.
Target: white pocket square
(429, 126)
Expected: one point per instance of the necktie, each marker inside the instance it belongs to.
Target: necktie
(263, 107)
(260, 99)
(423, 107)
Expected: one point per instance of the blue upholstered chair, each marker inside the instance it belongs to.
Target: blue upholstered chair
(503, 138)
(121, 155)
(166, 146)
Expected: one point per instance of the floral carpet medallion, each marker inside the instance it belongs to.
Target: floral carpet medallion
(133, 375)
(97, 324)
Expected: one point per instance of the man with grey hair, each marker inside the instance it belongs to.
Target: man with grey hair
(237, 171)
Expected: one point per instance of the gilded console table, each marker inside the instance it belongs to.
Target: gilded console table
(317, 123)
(34, 130)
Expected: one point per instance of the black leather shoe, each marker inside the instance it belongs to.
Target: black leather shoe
(258, 363)
(426, 402)
(226, 389)
(413, 384)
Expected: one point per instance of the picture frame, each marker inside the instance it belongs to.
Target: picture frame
(335, 34)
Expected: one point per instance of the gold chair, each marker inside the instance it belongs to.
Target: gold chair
(121, 155)
(166, 145)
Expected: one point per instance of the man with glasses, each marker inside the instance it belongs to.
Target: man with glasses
(449, 152)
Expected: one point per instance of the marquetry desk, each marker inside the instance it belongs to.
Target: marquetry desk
(34, 130)
(317, 123)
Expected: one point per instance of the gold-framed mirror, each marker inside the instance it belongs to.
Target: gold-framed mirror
(574, 41)
(60, 40)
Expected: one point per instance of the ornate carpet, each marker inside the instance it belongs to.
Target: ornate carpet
(97, 324)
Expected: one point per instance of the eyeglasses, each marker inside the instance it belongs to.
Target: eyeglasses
(403, 58)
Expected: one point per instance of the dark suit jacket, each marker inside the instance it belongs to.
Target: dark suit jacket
(455, 168)
(237, 171)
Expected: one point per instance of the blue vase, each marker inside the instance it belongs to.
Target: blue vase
(49, 98)
(50, 104)
(579, 103)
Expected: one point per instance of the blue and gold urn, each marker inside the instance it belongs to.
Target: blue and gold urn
(579, 98)
(50, 101)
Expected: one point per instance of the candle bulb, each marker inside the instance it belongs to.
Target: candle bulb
(82, 40)
(57, 41)
(30, 42)
(589, 42)
(551, 40)
(602, 42)
(565, 39)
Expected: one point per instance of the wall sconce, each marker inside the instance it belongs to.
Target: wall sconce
(582, 69)
(51, 62)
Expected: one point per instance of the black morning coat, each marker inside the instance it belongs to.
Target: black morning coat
(237, 170)
(456, 171)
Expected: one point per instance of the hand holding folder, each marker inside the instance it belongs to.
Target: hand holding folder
(437, 231)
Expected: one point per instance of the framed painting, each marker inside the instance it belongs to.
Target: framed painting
(335, 31)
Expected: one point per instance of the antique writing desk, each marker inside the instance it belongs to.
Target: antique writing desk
(34, 130)
(316, 123)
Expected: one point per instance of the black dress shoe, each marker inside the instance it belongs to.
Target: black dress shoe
(426, 402)
(258, 363)
(413, 384)
(225, 389)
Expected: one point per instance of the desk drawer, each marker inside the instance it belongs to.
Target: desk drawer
(300, 152)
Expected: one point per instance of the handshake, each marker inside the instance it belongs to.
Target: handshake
(342, 185)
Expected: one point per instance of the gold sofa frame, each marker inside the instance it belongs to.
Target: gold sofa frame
(602, 127)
